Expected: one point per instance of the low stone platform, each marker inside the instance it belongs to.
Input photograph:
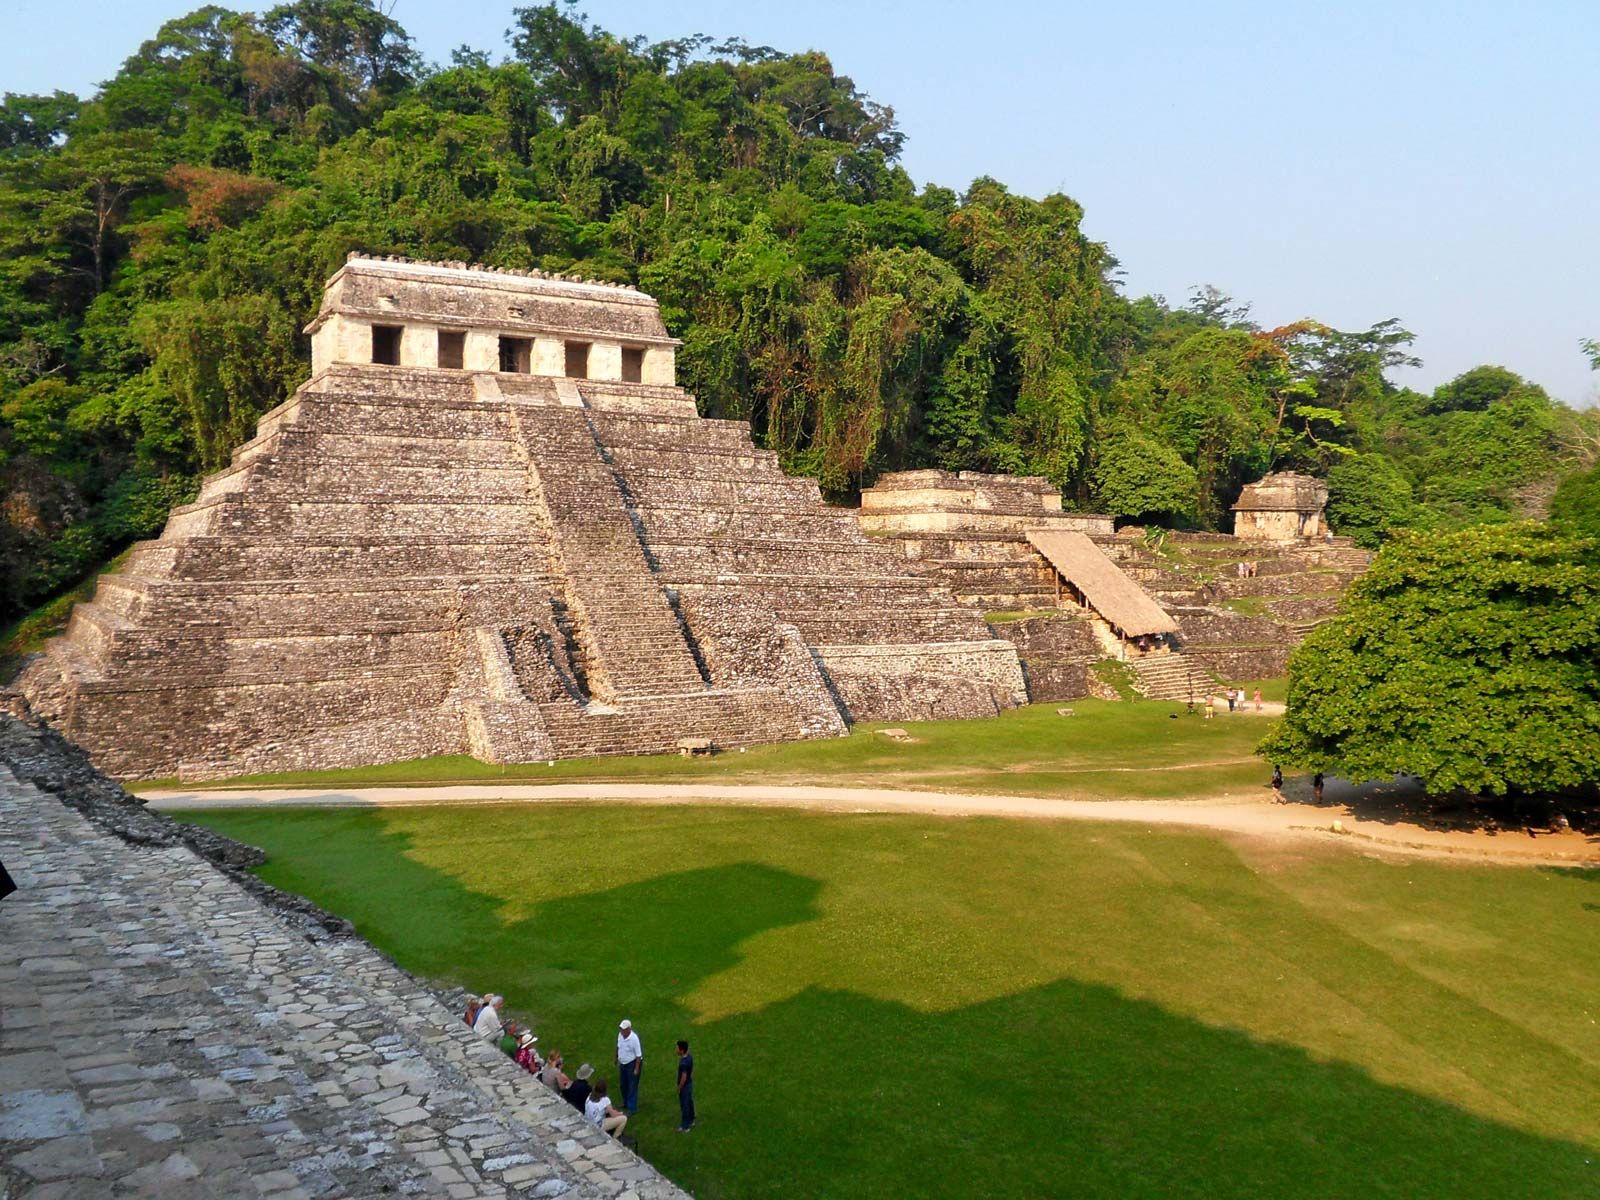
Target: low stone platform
(164, 1033)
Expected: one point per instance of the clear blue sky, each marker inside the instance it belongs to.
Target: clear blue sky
(1348, 160)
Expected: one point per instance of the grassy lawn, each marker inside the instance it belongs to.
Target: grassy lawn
(900, 1006)
(1105, 750)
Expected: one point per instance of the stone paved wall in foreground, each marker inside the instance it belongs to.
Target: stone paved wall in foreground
(165, 1034)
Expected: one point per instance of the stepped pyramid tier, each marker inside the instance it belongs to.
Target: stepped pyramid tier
(491, 524)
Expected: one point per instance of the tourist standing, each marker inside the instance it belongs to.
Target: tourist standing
(685, 1087)
(1211, 705)
(630, 1064)
(1316, 787)
(1258, 699)
(1230, 699)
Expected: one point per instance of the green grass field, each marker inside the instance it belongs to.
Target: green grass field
(907, 1007)
(1105, 750)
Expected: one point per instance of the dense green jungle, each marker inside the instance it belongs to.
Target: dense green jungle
(163, 242)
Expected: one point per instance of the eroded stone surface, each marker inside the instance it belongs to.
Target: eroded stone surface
(164, 1034)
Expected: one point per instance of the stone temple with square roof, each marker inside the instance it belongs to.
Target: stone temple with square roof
(491, 524)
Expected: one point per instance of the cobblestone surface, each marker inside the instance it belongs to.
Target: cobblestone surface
(164, 1034)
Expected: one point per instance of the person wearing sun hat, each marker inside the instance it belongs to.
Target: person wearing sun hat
(526, 1056)
(577, 1092)
(630, 1064)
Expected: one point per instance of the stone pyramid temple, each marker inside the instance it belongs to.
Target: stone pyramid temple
(491, 524)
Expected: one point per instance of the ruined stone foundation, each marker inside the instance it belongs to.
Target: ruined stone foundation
(413, 560)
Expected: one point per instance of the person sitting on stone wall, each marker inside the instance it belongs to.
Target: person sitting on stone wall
(507, 1041)
(526, 1055)
(487, 1023)
(576, 1093)
(597, 1108)
(474, 1007)
(552, 1075)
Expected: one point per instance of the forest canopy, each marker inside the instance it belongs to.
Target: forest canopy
(163, 242)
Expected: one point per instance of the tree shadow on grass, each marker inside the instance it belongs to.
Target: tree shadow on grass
(1067, 1089)
(1075, 1089)
(1404, 801)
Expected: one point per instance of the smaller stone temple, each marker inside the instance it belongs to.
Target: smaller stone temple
(1282, 507)
(1004, 543)
(1183, 610)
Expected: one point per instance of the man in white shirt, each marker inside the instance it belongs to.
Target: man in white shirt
(630, 1065)
(488, 1025)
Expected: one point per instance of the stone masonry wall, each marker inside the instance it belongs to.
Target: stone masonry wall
(228, 1040)
(1056, 650)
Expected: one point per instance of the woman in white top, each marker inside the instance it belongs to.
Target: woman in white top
(599, 1111)
(488, 1023)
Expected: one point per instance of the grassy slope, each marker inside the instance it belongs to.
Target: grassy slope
(49, 620)
(1028, 751)
(891, 1007)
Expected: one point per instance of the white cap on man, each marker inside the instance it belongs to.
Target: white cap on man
(626, 1024)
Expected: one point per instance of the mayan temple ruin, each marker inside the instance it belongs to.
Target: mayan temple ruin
(1072, 590)
(491, 524)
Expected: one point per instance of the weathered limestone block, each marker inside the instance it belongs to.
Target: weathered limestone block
(1056, 652)
(920, 682)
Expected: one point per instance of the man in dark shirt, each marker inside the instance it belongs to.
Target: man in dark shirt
(685, 1087)
(577, 1092)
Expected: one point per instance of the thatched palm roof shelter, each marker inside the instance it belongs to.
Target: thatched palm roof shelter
(1117, 598)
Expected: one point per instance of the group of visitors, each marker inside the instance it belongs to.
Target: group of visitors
(1246, 570)
(1238, 701)
(1236, 696)
(588, 1095)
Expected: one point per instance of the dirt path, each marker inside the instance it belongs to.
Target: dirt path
(1252, 817)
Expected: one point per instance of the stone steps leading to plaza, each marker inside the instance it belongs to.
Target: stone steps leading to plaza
(215, 1051)
(1172, 676)
(655, 724)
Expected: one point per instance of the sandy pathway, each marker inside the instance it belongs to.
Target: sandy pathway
(1252, 817)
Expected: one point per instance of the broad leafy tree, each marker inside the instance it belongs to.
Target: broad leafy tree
(1469, 659)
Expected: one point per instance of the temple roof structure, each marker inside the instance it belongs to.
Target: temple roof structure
(1283, 491)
